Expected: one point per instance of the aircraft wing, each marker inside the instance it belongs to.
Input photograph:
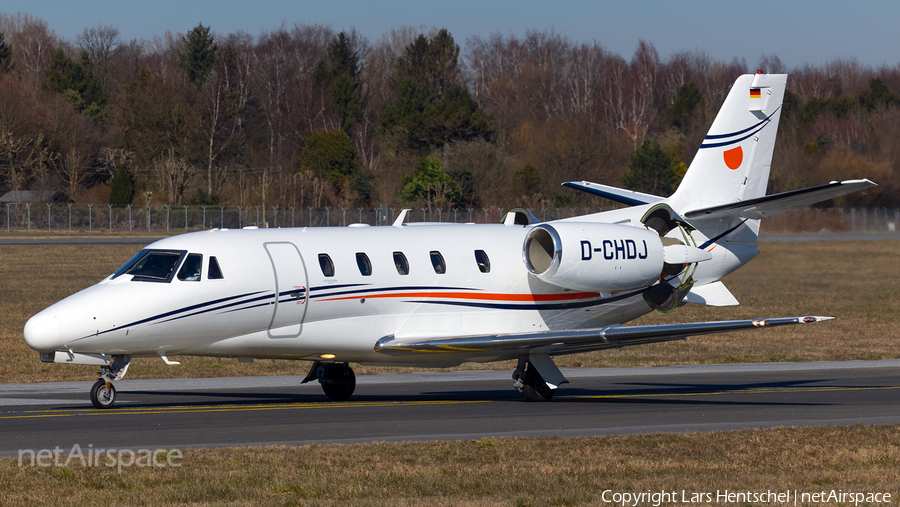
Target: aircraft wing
(771, 205)
(621, 195)
(582, 340)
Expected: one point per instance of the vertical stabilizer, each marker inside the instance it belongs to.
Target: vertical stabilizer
(734, 160)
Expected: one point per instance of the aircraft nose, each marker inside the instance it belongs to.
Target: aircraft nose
(42, 332)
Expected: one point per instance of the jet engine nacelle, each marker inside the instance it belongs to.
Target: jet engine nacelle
(594, 257)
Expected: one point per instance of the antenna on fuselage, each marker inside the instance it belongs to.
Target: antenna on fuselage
(401, 218)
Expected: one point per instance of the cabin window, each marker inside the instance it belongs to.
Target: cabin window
(151, 265)
(481, 258)
(362, 261)
(191, 269)
(214, 272)
(400, 263)
(437, 260)
(326, 265)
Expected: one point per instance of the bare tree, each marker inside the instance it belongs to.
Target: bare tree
(218, 124)
(850, 76)
(173, 173)
(771, 64)
(33, 45)
(23, 122)
(101, 44)
(76, 142)
(642, 78)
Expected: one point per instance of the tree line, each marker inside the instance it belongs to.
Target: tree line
(305, 116)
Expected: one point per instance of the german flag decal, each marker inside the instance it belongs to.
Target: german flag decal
(755, 93)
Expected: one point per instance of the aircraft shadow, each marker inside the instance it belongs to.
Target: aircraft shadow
(643, 393)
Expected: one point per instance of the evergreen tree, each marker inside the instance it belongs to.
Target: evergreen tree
(362, 185)
(653, 170)
(77, 83)
(342, 80)
(527, 180)
(5, 55)
(432, 105)
(687, 105)
(878, 95)
(431, 184)
(331, 156)
(122, 188)
(199, 55)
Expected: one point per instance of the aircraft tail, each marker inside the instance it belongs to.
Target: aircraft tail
(734, 160)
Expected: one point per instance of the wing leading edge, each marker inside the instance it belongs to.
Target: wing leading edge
(567, 342)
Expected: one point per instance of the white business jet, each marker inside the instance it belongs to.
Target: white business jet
(438, 295)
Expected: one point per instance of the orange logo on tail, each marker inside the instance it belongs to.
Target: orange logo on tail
(734, 157)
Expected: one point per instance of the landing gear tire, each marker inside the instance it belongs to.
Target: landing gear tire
(535, 389)
(338, 381)
(101, 396)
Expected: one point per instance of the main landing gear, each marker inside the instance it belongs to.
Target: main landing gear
(531, 383)
(337, 379)
(103, 393)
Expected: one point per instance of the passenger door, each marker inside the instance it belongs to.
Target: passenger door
(291, 289)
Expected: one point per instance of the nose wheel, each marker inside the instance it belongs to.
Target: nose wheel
(103, 394)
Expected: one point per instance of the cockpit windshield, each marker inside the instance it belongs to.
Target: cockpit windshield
(151, 265)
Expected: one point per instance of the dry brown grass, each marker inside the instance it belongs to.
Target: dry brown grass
(854, 281)
(501, 471)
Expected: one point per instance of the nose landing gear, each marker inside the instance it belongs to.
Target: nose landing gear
(103, 393)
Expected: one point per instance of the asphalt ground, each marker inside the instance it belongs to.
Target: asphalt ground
(447, 406)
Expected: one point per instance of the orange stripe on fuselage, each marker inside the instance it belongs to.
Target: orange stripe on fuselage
(479, 296)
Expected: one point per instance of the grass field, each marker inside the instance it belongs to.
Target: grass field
(854, 281)
(487, 472)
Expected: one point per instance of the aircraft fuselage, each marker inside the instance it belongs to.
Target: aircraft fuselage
(482, 288)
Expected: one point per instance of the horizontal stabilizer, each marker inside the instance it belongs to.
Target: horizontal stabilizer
(771, 205)
(621, 195)
(558, 342)
(713, 294)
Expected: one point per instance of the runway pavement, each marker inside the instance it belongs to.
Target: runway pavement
(453, 405)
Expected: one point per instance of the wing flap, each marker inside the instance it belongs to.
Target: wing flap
(563, 341)
(771, 205)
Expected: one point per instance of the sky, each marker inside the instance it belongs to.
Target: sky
(797, 31)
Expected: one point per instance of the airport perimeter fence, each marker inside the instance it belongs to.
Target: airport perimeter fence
(44, 217)
(99, 218)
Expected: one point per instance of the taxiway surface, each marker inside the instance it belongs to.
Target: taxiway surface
(452, 405)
